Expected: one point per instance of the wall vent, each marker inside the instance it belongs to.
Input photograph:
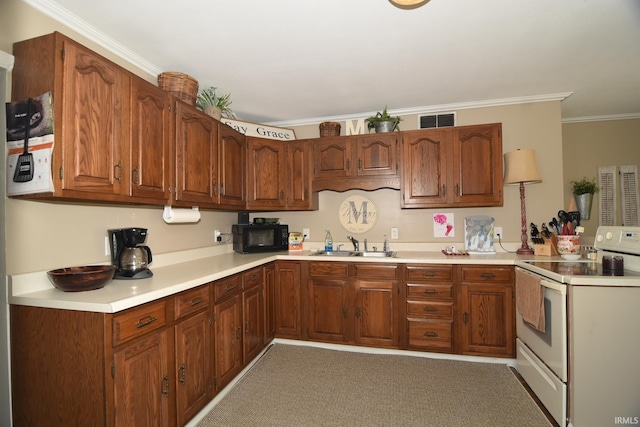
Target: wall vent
(437, 120)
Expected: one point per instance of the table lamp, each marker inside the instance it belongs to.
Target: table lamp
(520, 168)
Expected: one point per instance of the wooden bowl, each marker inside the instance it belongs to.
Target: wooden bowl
(84, 278)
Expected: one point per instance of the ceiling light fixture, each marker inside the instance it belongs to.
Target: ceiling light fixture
(408, 4)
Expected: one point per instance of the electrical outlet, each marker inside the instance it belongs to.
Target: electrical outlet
(497, 231)
(217, 236)
(306, 234)
(107, 246)
(394, 232)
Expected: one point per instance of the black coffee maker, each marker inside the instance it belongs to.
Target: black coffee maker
(132, 261)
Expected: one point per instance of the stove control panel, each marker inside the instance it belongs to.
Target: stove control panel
(618, 239)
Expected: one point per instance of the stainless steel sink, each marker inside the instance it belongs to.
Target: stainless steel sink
(354, 253)
(377, 254)
(334, 253)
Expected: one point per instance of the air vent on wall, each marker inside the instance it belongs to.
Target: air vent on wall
(437, 120)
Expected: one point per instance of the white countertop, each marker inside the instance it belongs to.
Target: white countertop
(173, 273)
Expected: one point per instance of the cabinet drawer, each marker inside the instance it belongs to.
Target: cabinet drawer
(432, 273)
(327, 268)
(190, 301)
(138, 321)
(441, 292)
(252, 278)
(429, 334)
(492, 274)
(429, 309)
(226, 287)
(376, 271)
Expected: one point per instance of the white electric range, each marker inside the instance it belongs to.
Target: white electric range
(585, 367)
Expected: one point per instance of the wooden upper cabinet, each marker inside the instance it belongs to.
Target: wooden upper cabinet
(377, 154)
(266, 180)
(232, 152)
(299, 177)
(112, 129)
(477, 158)
(368, 162)
(196, 156)
(151, 141)
(279, 175)
(458, 166)
(93, 157)
(426, 168)
(333, 157)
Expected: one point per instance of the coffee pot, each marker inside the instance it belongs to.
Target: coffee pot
(128, 255)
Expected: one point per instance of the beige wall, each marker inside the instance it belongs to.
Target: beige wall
(589, 145)
(45, 235)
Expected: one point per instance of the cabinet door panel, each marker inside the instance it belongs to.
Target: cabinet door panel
(228, 340)
(426, 168)
(376, 313)
(252, 329)
(232, 166)
(299, 176)
(267, 169)
(333, 158)
(92, 100)
(269, 301)
(151, 140)
(487, 319)
(328, 309)
(288, 316)
(193, 362)
(478, 158)
(196, 156)
(142, 383)
(377, 155)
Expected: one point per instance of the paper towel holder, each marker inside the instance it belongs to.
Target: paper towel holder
(180, 215)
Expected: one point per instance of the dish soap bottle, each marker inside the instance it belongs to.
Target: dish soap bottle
(328, 242)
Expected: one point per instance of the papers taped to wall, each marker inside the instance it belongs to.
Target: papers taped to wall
(30, 144)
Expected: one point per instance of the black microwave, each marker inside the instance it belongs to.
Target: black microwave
(253, 238)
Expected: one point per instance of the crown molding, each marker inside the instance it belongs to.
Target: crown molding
(429, 109)
(70, 20)
(6, 61)
(601, 118)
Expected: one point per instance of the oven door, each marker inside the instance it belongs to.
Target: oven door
(550, 346)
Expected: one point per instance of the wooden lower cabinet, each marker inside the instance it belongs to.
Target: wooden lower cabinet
(269, 302)
(430, 307)
(193, 352)
(353, 303)
(487, 311)
(328, 301)
(227, 321)
(154, 364)
(143, 385)
(288, 299)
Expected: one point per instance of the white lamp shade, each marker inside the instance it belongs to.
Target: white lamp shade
(520, 166)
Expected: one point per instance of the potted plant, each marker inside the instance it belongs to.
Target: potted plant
(383, 122)
(583, 191)
(213, 104)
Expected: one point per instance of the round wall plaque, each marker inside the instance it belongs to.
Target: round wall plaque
(357, 214)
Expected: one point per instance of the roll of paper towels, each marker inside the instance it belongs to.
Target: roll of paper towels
(171, 215)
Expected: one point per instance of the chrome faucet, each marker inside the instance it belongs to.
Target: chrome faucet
(356, 244)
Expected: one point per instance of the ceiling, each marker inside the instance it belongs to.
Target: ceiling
(297, 61)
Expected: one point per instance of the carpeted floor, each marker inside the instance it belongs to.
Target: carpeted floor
(307, 386)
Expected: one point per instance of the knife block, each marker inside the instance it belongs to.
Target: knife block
(549, 248)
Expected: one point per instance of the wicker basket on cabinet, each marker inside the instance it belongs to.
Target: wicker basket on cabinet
(180, 85)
